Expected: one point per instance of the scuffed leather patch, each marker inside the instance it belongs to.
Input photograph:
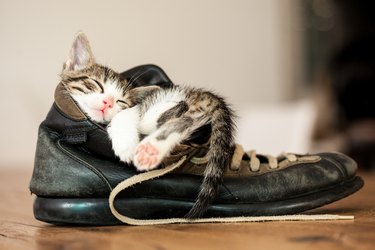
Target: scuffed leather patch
(67, 105)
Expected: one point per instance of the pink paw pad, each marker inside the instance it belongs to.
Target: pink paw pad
(146, 156)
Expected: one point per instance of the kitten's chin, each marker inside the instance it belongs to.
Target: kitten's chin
(97, 116)
(100, 117)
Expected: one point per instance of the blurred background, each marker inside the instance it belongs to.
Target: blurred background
(299, 73)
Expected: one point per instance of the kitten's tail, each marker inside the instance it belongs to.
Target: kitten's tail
(219, 157)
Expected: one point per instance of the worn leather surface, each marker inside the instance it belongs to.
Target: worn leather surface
(65, 170)
(74, 159)
(148, 74)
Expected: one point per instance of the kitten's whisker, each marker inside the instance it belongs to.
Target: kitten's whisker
(144, 72)
(134, 75)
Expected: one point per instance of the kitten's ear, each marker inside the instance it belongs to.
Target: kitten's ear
(80, 55)
(140, 93)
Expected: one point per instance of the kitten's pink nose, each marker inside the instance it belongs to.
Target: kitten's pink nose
(108, 103)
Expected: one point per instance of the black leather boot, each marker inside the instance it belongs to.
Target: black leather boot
(75, 171)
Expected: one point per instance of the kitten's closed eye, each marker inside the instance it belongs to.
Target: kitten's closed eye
(99, 84)
(123, 104)
(85, 84)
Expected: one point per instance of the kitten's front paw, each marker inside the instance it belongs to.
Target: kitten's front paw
(124, 148)
(124, 134)
(125, 156)
(146, 157)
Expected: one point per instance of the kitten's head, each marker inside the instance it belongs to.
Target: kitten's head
(99, 91)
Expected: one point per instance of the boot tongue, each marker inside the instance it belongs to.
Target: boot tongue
(67, 105)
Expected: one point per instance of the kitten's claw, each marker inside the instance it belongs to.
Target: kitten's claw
(146, 157)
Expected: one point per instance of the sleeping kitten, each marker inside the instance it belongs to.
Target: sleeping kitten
(166, 117)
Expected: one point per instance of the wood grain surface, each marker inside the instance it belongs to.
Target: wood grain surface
(19, 229)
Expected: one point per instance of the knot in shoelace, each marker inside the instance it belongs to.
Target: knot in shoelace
(253, 159)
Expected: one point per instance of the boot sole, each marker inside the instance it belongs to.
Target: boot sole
(96, 211)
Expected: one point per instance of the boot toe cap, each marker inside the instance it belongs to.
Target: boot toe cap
(343, 162)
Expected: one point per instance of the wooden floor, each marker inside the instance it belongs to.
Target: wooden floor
(19, 229)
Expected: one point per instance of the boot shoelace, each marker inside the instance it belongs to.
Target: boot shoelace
(254, 164)
(254, 161)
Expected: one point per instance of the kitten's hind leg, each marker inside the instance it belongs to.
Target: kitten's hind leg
(153, 148)
(123, 131)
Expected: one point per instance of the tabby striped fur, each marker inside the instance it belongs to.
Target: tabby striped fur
(146, 123)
